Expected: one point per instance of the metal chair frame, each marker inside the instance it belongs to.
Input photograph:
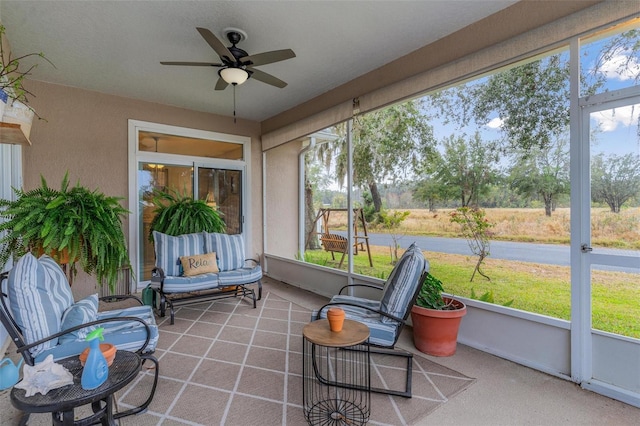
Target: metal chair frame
(23, 347)
(391, 349)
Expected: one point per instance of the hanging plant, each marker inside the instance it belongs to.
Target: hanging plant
(84, 225)
(178, 214)
(12, 76)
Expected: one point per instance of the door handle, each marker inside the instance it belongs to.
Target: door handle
(585, 248)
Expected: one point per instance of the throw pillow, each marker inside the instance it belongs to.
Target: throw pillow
(60, 290)
(30, 302)
(228, 248)
(199, 264)
(81, 312)
(169, 249)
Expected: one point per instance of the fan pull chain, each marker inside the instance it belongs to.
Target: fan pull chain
(234, 102)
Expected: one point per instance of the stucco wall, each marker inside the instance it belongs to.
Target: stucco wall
(85, 133)
(281, 205)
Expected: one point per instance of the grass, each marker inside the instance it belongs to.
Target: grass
(542, 289)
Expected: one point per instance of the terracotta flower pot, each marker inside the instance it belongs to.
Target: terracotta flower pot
(435, 332)
(108, 350)
(61, 257)
(336, 319)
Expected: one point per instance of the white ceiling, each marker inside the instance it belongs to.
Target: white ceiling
(116, 47)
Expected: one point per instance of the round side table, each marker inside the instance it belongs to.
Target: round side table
(336, 373)
(61, 402)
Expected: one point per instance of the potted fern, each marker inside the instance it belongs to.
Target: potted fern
(73, 225)
(436, 319)
(177, 214)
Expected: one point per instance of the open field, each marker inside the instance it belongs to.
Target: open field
(527, 225)
(542, 289)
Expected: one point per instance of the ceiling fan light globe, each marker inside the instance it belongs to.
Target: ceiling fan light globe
(234, 76)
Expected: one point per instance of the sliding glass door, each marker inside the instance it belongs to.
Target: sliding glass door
(204, 165)
(222, 189)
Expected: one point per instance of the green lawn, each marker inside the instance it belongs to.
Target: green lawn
(543, 289)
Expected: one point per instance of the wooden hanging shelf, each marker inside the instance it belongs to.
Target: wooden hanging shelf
(11, 133)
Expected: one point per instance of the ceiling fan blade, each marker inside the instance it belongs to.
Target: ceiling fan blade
(194, 64)
(216, 44)
(221, 84)
(266, 78)
(269, 57)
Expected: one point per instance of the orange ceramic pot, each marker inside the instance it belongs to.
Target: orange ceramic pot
(336, 319)
(435, 332)
(108, 350)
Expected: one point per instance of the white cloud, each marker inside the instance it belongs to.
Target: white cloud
(610, 119)
(617, 67)
(495, 123)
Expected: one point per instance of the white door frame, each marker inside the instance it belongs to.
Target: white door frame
(136, 156)
(588, 345)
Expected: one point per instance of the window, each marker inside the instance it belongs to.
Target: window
(500, 146)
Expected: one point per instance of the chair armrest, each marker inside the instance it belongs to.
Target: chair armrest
(88, 324)
(376, 287)
(120, 297)
(158, 276)
(378, 311)
(157, 273)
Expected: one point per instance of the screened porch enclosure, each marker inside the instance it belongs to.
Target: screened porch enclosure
(580, 341)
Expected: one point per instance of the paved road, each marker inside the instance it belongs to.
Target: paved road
(551, 254)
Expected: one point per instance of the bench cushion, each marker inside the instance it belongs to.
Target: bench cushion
(186, 284)
(238, 276)
(168, 250)
(229, 249)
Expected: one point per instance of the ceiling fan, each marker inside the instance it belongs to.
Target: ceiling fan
(237, 65)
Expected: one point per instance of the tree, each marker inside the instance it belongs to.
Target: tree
(615, 179)
(530, 102)
(543, 172)
(431, 192)
(475, 228)
(467, 168)
(387, 145)
(391, 222)
(620, 55)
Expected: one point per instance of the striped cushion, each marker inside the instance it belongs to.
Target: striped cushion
(81, 312)
(130, 335)
(229, 249)
(241, 276)
(184, 284)
(169, 249)
(360, 312)
(125, 335)
(30, 299)
(62, 297)
(381, 334)
(402, 284)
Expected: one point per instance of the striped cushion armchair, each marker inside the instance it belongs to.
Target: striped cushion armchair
(387, 315)
(38, 311)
